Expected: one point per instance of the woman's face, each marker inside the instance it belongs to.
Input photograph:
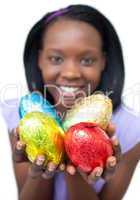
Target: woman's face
(71, 61)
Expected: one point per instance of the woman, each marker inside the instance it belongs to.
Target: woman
(72, 49)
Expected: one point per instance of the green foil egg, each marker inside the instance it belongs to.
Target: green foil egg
(42, 136)
(96, 108)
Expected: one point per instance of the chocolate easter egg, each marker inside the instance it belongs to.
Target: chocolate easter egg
(35, 102)
(95, 108)
(87, 146)
(42, 136)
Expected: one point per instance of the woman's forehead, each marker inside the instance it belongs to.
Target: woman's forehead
(71, 32)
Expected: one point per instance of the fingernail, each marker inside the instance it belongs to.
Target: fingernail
(40, 160)
(113, 163)
(19, 145)
(62, 167)
(99, 172)
(51, 167)
(71, 170)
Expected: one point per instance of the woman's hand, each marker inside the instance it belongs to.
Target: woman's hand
(99, 172)
(37, 168)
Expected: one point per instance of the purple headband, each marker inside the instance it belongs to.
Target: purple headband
(57, 13)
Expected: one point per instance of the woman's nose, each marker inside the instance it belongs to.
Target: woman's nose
(71, 71)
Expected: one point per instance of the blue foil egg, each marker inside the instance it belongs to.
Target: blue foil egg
(35, 102)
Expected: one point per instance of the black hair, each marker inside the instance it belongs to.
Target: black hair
(112, 77)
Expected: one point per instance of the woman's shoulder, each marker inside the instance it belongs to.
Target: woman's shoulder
(126, 114)
(127, 121)
(10, 112)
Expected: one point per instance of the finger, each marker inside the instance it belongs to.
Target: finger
(36, 168)
(116, 148)
(51, 166)
(16, 133)
(110, 167)
(111, 128)
(95, 175)
(62, 167)
(111, 162)
(71, 169)
(47, 174)
(19, 154)
(50, 171)
(83, 174)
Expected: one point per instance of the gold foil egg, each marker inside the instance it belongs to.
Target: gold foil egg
(96, 108)
(42, 136)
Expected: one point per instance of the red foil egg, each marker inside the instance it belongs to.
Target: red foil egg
(87, 146)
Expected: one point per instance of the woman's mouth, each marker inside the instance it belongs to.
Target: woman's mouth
(67, 95)
(69, 89)
(70, 94)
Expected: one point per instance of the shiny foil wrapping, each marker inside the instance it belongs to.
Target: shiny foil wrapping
(87, 146)
(35, 102)
(42, 136)
(96, 108)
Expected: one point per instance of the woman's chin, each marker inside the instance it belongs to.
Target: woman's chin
(67, 100)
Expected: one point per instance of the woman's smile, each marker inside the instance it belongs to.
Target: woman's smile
(69, 89)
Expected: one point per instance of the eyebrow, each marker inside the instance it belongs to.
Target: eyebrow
(53, 49)
(87, 51)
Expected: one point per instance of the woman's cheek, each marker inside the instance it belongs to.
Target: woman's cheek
(49, 74)
(93, 75)
(94, 78)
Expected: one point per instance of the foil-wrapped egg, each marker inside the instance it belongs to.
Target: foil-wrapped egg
(87, 146)
(96, 108)
(42, 136)
(35, 102)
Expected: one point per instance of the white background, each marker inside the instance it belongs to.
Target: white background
(16, 19)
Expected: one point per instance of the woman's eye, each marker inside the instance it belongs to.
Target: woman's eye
(56, 60)
(87, 61)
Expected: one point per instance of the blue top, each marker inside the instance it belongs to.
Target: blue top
(128, 133)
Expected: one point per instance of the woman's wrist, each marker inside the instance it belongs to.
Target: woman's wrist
(37, 188)
(78, 188)
(75, 180)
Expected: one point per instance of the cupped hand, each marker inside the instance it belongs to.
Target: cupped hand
(111, 163)
(37, 168)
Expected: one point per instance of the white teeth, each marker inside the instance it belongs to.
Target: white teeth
(69, 89)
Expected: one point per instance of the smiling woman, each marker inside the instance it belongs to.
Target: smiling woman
(78, 45)
(72, 69)
(69, 54)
